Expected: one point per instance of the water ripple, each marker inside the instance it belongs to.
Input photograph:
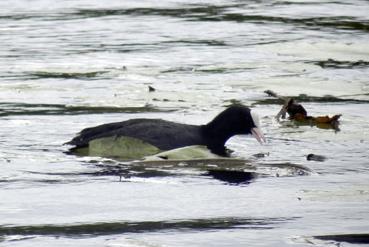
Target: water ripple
(14, 109)
(108, 228)
(202, 13)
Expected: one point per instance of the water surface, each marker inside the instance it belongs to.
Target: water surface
(68, 65)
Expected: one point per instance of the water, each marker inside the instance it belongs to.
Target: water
(67, 65)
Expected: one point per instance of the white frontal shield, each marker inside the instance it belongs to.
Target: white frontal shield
(256, 132)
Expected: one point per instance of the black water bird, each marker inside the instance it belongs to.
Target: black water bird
(166, 135)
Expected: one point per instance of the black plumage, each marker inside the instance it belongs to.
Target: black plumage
(167, 135)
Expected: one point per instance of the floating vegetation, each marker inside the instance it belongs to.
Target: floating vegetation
(298, 114)
(205, 13)
(179, 69)
(221, 13)
(362, 238)
(206, 69)
(102, 228)
(66, 75)
(197, 42)
(14, 109)
(339, 22)
(336, 64)
(186, 12)
(273, 100)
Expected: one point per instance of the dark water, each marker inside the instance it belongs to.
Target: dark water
(66, 65)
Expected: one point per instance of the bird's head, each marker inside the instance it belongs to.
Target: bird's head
(236, 120)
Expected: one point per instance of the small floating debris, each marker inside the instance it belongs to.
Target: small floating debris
(151, 89)
(298, 113)
(315, 157)
(7, 160)
(260, 155)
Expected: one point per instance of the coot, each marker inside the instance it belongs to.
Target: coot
(166, 135)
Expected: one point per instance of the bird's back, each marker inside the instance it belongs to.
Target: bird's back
(163, 134)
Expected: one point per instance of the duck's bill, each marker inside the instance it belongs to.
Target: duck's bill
(258, 135)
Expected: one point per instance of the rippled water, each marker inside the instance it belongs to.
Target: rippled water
(66, 65)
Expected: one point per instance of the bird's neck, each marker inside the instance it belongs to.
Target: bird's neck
(217, 136)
